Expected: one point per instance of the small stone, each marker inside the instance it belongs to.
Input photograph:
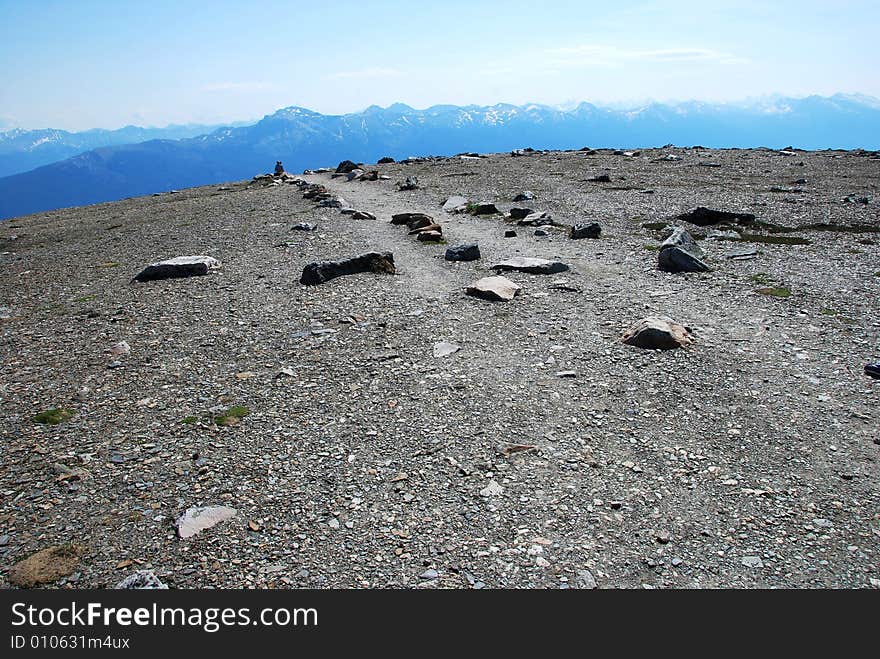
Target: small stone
(121, 348)
(141, 580)
(752, 561)
(483, 208)
(304, 226)
(526, 195)
(429, 575)
(196, 520)
(493, 489)
(455, 204)
(510, 233)
(540, 233)
(470, 252)
(586, 580)
(444, 349)
(333, 523)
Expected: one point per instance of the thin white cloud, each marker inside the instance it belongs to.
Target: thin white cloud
(373, 72)
(251, 86)
(600, 54)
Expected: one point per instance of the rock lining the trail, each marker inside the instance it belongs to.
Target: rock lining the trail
(178, 267)
(323, 271)
(498, 289)
(530, 265)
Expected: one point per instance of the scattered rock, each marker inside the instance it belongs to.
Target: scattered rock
(46, 566)
(509, 233)
(540, 233)
(499, 289)
(493, 489)
(657, 333)
(444, 349)
(592, 230)
(537, 219)
(322, 271)
(531, 265)
(455, 204)
(470, 252)
(586, 580)
(180, 266)
(873, 370)
(410, 183)
(333, 202)
(304, 226)
(703, 217)
(429, 575)
(436, 228)
(196, 520)
(430, 236)
(483, 208)
(680, 253)
(121, 348)
(526, 195)
(601, 178)
(141, 580)
(752, 561)
(362, 215)
(387, 160)
(520, 213)
(412, 220)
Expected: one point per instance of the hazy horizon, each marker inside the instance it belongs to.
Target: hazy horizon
(95, 64)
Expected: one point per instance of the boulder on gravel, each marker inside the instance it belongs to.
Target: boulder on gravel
(322, 271)
(520, 213)
(141, 580)
(470, 252)
(680, 253)
(601, 178)
(180, 266)
(484, 208)
(704, 217)
(410, 183)
(346, 166)
(45, 566)
(509, 233)
(657, 333)
(387, 160)
(525, 195)
(497, 289)
(412, 220)
(455, 204)
(362, 215)
(432, 236)
(304, 226)
(592, 230)
(531, 265)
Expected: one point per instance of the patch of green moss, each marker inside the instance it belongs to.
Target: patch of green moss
(762, 278)
(189, 420)
(86, 298)
(651, 248)
(828, 312)
(52, 417)
(775, 291)
(232, 416)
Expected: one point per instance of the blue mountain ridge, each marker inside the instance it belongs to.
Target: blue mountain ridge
(303, 139)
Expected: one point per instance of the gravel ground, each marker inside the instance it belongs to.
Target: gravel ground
(748, 460)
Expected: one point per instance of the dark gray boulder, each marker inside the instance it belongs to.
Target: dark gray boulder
(704, 217)
(469, 252)
(346, 166)
(484, 208)
(412, 220)
(322, 271)
(531, 265)
(592, 230)
(178, 267)
(526, 195)
(520, 213)
(680, 253)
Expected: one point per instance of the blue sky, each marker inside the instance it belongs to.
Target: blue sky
(80, 64)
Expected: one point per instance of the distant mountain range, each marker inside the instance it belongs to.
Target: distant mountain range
(305, 139)
(23, 150)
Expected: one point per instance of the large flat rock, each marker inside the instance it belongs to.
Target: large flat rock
(498, 289)
(179, 266)
(531, 265)
(322, 271)
(196, 520)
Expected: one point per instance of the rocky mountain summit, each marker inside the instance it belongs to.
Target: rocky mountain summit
(647, 372)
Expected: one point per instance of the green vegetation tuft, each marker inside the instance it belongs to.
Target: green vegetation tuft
(52, 417)
(232, 416)
(775, 291)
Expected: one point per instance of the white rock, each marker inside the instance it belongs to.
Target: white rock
(443, 349)
(196, 520)
(493, 489)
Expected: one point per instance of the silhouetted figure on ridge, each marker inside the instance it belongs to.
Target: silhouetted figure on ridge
(279, 168)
